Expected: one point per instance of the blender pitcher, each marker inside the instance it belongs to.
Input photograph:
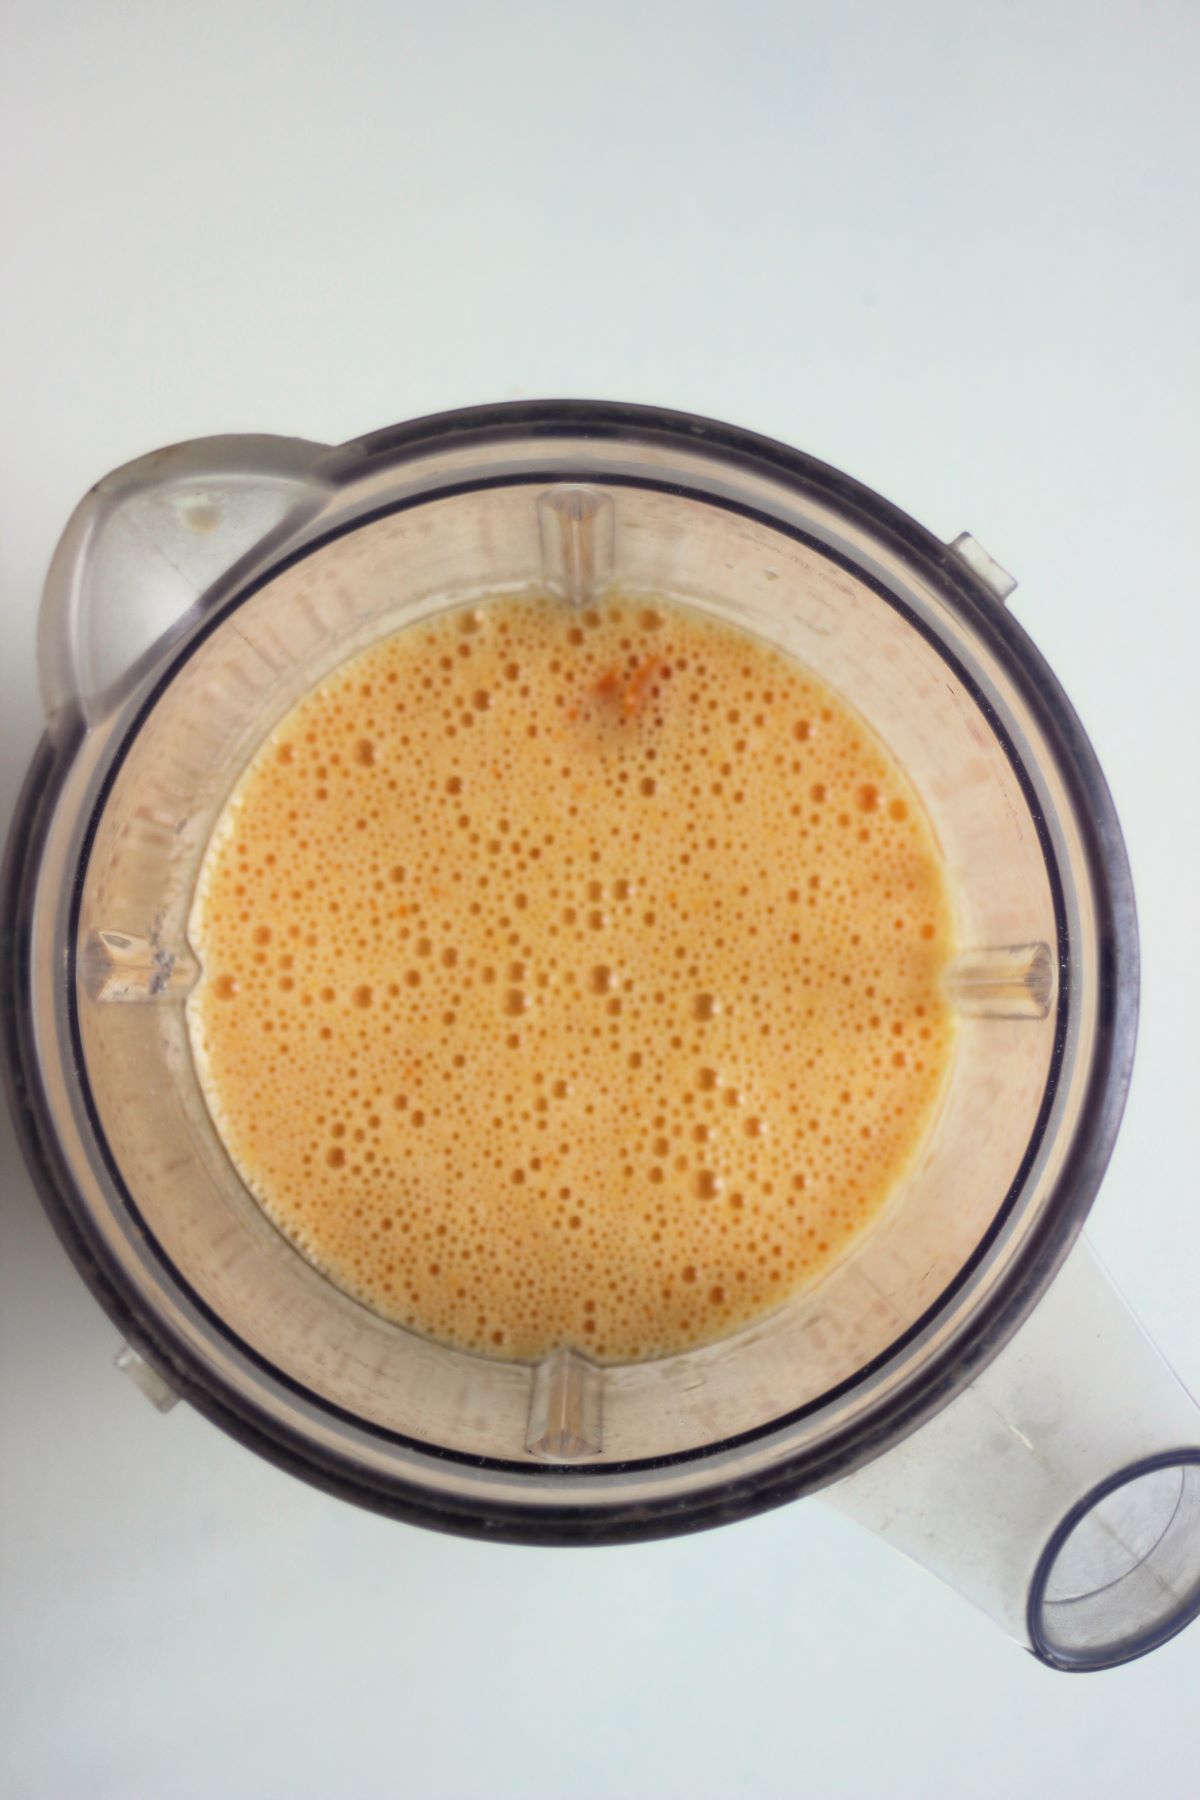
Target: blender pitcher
(964, 1380)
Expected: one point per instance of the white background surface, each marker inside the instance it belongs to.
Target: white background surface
(948, 247)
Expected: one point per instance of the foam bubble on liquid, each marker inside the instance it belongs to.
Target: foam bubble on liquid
(572, 979)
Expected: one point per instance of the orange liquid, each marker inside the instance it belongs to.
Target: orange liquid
(572, 979)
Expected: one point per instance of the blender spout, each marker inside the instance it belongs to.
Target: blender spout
(149, 548)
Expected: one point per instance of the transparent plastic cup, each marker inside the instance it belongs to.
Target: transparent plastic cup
(964, 1381)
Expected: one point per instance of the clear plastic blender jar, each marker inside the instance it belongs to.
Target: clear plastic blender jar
(965, 1380)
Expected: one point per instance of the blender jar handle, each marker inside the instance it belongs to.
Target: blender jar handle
(1060, 1491)
(146, 545)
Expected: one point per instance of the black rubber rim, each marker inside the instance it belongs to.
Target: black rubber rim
(621, 1519)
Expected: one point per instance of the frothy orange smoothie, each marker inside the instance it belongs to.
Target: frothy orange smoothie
(572, 978)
